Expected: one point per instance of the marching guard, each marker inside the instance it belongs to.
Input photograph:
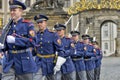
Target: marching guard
(18, 60)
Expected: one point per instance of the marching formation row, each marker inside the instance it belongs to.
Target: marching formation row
(45, 54)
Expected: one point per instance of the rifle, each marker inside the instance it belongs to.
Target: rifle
(5, 31)
(86, 32)
(76, 28)
(68, 20)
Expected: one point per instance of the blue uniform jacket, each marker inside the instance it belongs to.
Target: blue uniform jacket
(89, 57)
(98, 57)
(22, 62)
(68, 66)
(78, 56)
(47, 44)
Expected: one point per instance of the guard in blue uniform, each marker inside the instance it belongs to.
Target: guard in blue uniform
(89, 57)
(48, 43)
(1, 59)
(18, 61)
(97, 61)
(78, 56)
(67, 69)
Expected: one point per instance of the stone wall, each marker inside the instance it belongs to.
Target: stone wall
(54, 17)
(98, 17)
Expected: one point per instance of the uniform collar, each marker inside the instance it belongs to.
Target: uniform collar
(46, 30)
(76, 41)
(20, 20)
(62, 37)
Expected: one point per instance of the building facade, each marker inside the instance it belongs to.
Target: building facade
(103, 20)
(4, 9)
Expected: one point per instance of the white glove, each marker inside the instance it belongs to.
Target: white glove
(59, 63)
(10, 39)
(1, 46)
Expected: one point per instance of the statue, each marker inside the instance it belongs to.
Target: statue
(48, 4)
(59, 3)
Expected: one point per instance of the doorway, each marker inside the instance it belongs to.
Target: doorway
(108, 36)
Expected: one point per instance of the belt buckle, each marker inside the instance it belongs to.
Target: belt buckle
(14, 51)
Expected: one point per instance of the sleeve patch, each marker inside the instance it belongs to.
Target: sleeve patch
(59, 41)
(72, 45)
(32, 33)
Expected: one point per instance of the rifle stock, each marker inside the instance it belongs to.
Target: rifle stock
(5, 31)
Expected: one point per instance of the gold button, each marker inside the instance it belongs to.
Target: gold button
(14, 31)
(41, 38)
(48, 41)
(13, 46)
(40, 42)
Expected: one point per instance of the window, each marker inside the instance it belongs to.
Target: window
(27, 2)
(105, 30)
(1, 22)
(106, 46)
(106, 24)
(105, 33)
(0, 4)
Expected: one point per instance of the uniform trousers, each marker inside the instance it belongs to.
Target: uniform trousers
(90, 74)
(81, 75)
(12, 76)
(38, 75)
(58, 75)
(69, 76)
(97, 73)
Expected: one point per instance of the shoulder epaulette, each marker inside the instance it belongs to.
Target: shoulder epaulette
(98, 48)
(51, 31)
(91, 44)
(26, 21)
(29, 22)
(81, 42)
(67, 37)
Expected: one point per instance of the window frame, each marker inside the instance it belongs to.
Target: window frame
(1, 4)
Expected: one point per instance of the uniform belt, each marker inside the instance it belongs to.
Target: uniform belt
(46, 56)
(77, 58)
(19, 51)
(87, 58)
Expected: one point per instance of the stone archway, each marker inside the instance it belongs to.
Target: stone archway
(108, 37)
(98, 18)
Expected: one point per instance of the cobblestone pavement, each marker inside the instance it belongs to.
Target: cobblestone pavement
(110, 69)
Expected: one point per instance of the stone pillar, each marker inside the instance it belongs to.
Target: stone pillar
(5, 9)
(117, 47)
(118, 40)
